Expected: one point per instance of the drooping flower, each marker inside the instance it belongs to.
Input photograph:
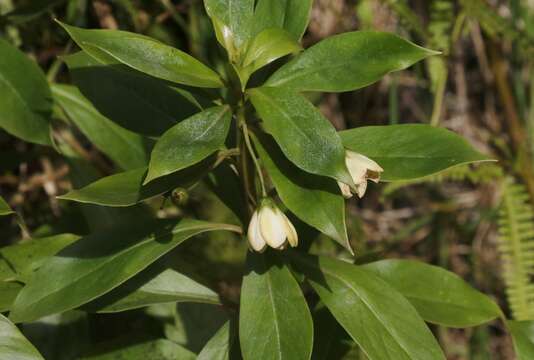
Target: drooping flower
(269, 226)
(361, 169)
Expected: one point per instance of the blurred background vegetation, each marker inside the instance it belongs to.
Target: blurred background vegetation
(474, 220)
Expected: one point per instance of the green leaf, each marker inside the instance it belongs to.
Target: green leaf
(195, 324)
(274, 319)
(330, 341)
(410, 151)
(189, 142)
(313, 199)
(124, 147)
(13, 345)
(523, 337)
(377, 317)
(236, 15)
(440, 297)
(161, 349)
(127, 189)
(144, 54)
(348, 61)
(155, 285)
(304, 135)
(4, 208)
(220, 346)
(26, 257)
(290, 15)
(266, 47)
(8, 293)
(129, 97)
(100, 262)
(26, 101)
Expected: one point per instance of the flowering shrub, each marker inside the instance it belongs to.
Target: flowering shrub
(249, 127)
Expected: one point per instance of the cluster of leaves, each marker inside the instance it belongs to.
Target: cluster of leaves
(169, 121)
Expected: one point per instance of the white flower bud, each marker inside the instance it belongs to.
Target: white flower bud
(361, 169)
(270, 226)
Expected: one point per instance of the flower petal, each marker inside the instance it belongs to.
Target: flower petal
(257, 243)
(272, 227)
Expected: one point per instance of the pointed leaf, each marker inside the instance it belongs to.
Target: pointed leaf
(124, 147)
(290, 15)
(189, 142)
(129, 97)
(274, 319)
(13, 345)
(25, 101)
(26, 257)
(144, 54)
(236, 15)
(127, 189)
(378, 318)
(313, 199)
(100, 262)
(348, 61)
(266, 47)
(440, 297)
(304, 135)
(410, 151)
(4, 208)
(220, 346)
(155, 285)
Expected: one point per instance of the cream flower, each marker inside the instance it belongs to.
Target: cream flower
(361, 169)
(270, 226)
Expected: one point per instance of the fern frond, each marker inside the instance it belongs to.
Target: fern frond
(475, 174)
(494, 24)
(516, 246)
(408, 18)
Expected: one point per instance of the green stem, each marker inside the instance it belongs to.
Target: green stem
(246, 137)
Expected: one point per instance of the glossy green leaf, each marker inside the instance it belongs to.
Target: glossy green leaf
(8, 293)
(410, 151)
(290, 15)
(98, 218)
(274, 319)
(146, 55)
(221, 345)
(305, 136)
(129, 97)
(523, 337)
(4, 208)
(13, 345)
(314, 199)
(124, 147)
(266, 47)
(100, 262)
(383, 323)
(189, 142)
(236, 16)
(155, 285)
(439, 296)
(26, 257)
(161, 349)
(127, 189)
(25, 98)
(348, 61)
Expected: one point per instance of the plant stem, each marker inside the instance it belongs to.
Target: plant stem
(246, 137)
